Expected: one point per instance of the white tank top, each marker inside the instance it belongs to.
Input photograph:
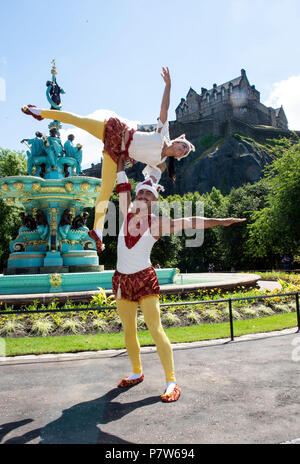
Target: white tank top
(146, 147)
(137, 258)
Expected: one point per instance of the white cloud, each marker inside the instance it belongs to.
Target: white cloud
(92, 147)
(2, 89)
(287, 94)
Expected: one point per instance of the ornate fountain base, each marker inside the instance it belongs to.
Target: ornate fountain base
(54, 236)
(52, 262)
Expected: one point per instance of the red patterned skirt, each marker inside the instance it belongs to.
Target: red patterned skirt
(113, 136)
(135, 286)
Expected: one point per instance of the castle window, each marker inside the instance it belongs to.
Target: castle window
(207, 97)
(223, 92)
(230, 88)
(215, 95)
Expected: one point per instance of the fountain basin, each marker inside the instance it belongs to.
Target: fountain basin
(83, 288)
(67, 282)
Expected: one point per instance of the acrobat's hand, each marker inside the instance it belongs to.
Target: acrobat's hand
(166, 75)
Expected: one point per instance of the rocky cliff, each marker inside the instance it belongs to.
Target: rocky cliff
(223, 163)
(224, 159)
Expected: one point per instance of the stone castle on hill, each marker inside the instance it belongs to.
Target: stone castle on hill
(219, 114)
(226, 109)
(234, 99)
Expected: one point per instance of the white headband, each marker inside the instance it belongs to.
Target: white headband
(182, 139)
(148, 184)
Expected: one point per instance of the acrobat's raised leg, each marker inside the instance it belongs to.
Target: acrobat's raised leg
(93, 126)
(109, 168)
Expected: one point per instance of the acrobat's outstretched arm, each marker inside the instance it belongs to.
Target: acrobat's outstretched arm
(166, 96)
(198, 222)
(166, 226)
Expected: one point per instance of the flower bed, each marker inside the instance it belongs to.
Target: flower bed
(91, 321)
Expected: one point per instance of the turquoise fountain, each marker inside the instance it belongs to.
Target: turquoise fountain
(52, 251)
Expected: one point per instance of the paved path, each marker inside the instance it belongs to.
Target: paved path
(246, 391)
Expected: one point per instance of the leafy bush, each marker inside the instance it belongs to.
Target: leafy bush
(235, 314)
(264, 310)
(248, 311)
(72, 325)
(211, 315)
(193, 317)
(11, 327)
(141, 324)
(115, 321)
(42, 327)
(99, 299)
(100, 324)
(169, 319)
(282, 308)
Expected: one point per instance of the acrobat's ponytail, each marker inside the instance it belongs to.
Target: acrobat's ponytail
(171, 168)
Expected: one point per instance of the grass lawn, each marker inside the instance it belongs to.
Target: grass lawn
(15, 346)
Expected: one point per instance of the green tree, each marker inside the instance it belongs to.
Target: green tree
(11, 164)
(243, 202)
(276, 228)
(166, 251)
(211, 251)
(197, 259)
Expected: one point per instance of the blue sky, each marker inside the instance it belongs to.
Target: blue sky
(109, 56)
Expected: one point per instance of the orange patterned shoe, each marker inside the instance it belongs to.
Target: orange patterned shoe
(124, 383)
(173, 396)
(99, 244)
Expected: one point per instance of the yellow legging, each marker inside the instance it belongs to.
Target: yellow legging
(109, 167)
(150, 308)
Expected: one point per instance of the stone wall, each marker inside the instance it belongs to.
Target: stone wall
(194, 130)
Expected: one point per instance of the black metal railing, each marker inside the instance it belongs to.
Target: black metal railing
(179, 303)
(231, 300)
